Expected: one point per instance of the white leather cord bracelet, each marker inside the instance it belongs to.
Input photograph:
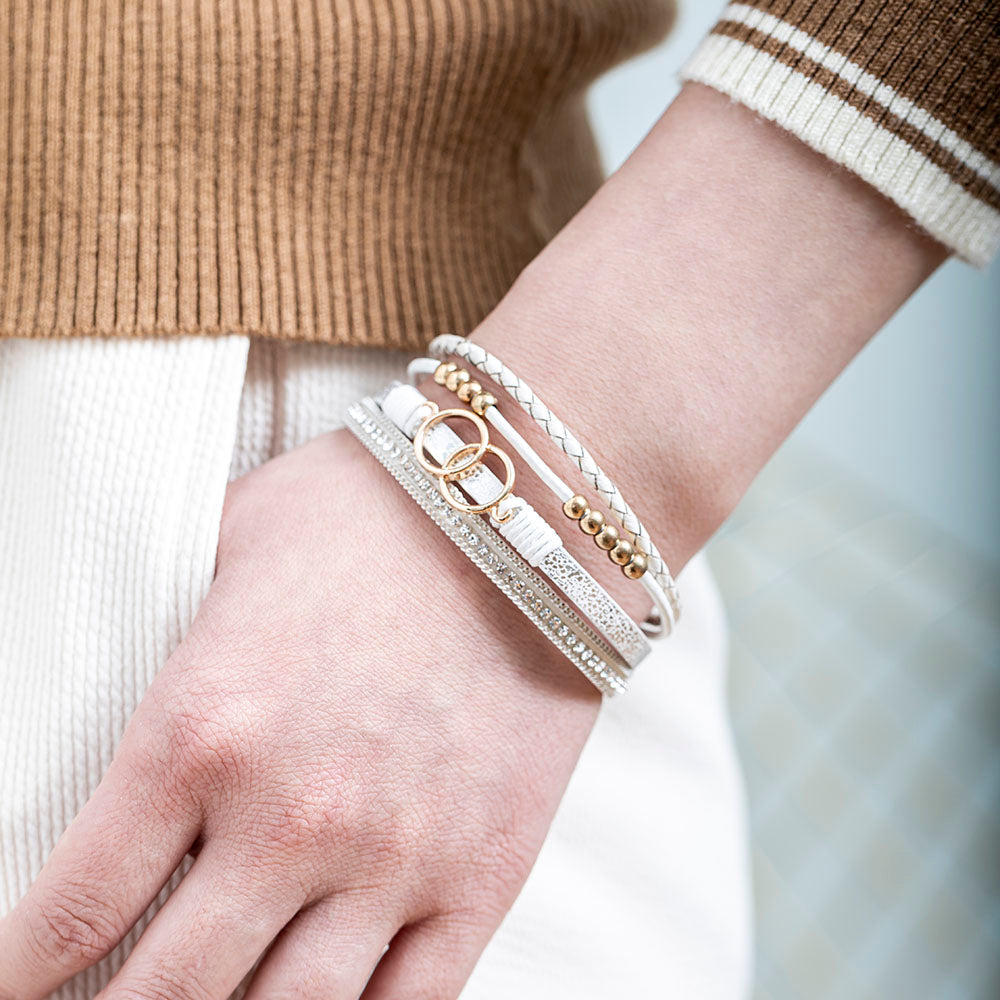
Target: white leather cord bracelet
(526, 398)
(517, 521)
(657, 582)
(494, 557)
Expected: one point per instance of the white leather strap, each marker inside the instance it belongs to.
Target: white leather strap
(535, 540)
(525, 396)
(561, 624)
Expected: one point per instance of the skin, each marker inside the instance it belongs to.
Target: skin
(344, 785)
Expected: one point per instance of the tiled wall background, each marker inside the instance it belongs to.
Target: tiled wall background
(865, 693)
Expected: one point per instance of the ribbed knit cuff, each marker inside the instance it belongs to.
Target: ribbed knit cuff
(904, 97)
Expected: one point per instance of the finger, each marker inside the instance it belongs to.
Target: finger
(430, 960)
(102, 875)
(210, 932)
(326, 953)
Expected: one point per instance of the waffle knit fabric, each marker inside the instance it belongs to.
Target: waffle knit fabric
(112, 496)
(377, 173)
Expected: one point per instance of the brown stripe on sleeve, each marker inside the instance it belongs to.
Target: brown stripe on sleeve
(880, 113)
(943, 56)
(906, 94)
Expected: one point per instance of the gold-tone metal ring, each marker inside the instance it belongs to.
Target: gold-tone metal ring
(480, 508)
(503, 518)
(441, 471)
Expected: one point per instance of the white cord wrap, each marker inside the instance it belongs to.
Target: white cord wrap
(528, 533)
(526, 398)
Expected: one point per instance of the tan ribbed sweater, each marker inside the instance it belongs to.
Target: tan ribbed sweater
(367, 171)
(378, 171)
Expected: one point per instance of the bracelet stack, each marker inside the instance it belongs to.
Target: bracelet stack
(511, 574)
(543, 416)
(622, 552)
(511, 542)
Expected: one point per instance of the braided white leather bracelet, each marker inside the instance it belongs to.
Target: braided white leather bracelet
(664, 610)
(518, 522)
(658, 582)
(494, 557)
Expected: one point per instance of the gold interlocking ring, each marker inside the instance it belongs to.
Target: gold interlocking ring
(479, 508)
(448, 471)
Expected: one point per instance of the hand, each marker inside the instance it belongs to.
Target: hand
(360, 740)
(358, 735)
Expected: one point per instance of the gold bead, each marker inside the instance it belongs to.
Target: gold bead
(607, 537)
(635, 567)
(482, 401)
(469, 389)
(592, 522)
(622, 552)
(454, 379)
(443, 370)
(575, 507)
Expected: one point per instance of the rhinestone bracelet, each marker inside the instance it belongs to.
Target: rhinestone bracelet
(627, 555)
(519, 390)
(462, 470)
(525, 588)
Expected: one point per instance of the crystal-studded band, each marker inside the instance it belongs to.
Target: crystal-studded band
(520, 525)
(605, 614)
(498, 561)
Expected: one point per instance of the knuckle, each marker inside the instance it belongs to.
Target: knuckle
(158, 791)
(399, 838)
(503, 863)
(495, 859)
(388, 832)
(311, 822)
(206, 745)
(75, 923)
(296, 820)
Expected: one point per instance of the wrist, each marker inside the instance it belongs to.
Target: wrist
(620, 412)
(467, 628)
(688, 316)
